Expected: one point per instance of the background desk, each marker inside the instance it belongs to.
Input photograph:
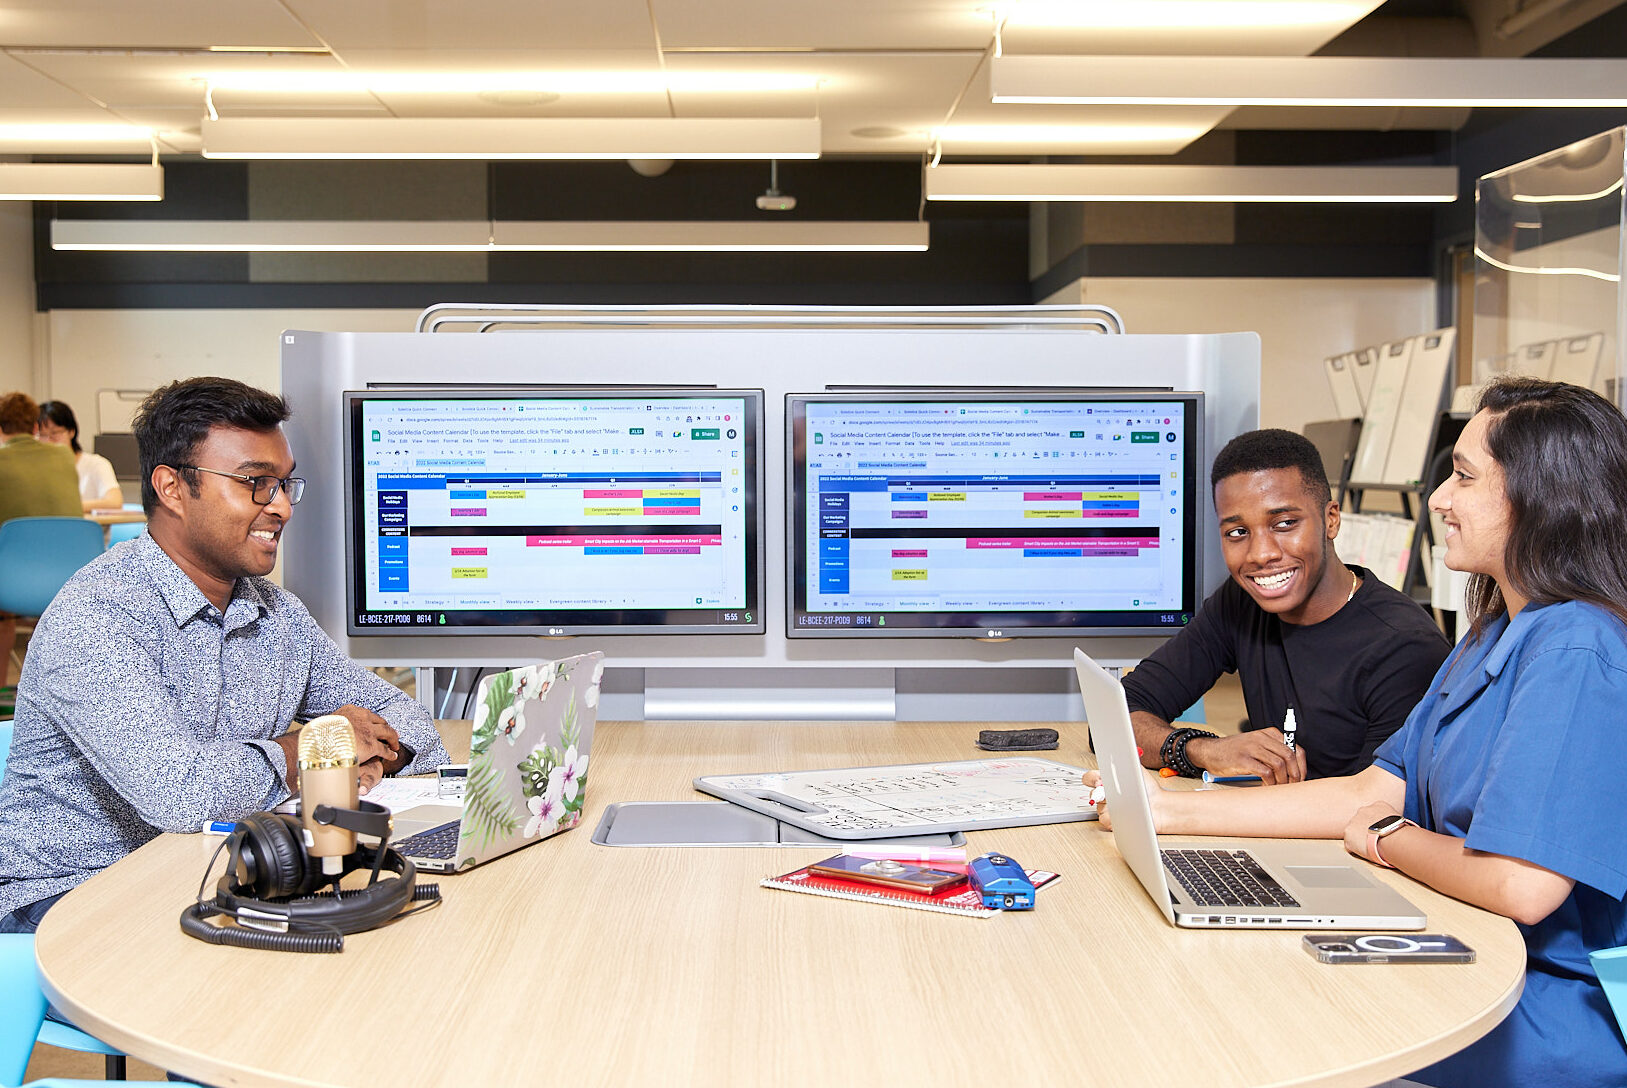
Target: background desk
(570, 963)
(109, 518)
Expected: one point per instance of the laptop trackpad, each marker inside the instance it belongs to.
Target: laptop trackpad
(1327, 876)
(422, 818)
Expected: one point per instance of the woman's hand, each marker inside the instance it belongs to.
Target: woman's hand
(1155, 795)
(1356, 829)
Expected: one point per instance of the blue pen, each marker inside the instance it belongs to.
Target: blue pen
(219, 827)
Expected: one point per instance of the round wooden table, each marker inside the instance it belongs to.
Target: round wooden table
(572, 963)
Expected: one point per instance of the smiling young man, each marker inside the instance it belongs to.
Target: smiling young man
(1350, 655)
(161, 682)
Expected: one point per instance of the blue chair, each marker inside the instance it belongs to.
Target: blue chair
(1611, 964)
(124, 530)
(22, 1012)
(37, 555)
(51, 1032)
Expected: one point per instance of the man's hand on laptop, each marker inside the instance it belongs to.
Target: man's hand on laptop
(1259, 751)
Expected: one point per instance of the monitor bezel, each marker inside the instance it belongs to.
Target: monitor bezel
(646, 623)
(1004, 625)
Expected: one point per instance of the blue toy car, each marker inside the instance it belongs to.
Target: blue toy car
(1001, 882)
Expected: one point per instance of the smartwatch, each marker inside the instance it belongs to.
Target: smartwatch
(1379, 828)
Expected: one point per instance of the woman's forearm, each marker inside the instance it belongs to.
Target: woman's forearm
(1508, 886)
(1318, 809)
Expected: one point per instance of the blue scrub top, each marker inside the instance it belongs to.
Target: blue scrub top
(1518, 747)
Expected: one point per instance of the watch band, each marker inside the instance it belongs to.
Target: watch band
(1374, 836)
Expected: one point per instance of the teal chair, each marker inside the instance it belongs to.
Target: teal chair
(124, 530)
(50, 1031)
(1611, 964)
(37, 555)
(22, 1013)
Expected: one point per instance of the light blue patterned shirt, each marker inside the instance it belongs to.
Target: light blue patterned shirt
(142, 709)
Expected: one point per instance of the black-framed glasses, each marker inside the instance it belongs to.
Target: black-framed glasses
(265, 487)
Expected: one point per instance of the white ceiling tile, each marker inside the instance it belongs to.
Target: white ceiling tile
(478, 25)
(132, 23)
(824, 24)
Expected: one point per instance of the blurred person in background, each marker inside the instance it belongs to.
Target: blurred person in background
(36, 480)
(98, 486)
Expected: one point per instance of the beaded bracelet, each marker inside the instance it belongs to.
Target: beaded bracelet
(1173, 750)
(1166, 750)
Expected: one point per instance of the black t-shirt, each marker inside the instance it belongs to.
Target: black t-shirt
(1352, 679)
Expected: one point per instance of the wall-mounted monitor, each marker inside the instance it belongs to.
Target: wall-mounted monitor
(1042, 511)
(554, 511)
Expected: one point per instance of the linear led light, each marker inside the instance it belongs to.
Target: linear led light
(580, 82)
(1206, 14)
(1069, 135)
(721, 236)
(1309, 81)
(268, 236)
(1242, 184)
(308, 236)
(512, 138)
(81, 181)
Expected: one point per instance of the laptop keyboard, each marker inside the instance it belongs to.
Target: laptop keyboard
(437, 842)
(1223, 878)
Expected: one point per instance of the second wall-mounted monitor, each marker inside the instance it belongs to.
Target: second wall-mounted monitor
(553, 511)
(968, 513)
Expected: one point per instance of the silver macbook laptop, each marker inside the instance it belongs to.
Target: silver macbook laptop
(1258, 884)
(528, 763)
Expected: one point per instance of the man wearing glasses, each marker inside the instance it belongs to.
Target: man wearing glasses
(161, 682)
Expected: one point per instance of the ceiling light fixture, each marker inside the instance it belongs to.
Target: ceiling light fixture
(81, 181)
(378, 236)
(1205, 14)
(1309, 81)
(512, 138)
(328, 81)
(1070, 135)
(1240, 184)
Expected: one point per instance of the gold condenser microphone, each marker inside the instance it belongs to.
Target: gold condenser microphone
(327, 776)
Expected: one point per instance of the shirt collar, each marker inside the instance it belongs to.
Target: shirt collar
(186, 601)
(1508, 634)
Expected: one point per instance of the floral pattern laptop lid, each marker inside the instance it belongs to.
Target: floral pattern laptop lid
(528, 756)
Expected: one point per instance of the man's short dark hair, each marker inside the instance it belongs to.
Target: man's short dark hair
(18, 413)
(1272, 448)
(174, 420)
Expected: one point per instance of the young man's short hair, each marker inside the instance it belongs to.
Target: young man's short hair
(174, 420)
(1273, 448)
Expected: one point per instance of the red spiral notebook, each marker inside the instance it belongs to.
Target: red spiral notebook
(960, 899)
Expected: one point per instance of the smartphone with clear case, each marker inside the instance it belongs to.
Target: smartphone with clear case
(1387, 948)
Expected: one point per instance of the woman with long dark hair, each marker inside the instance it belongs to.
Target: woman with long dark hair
(1501, 788)
(98, 487)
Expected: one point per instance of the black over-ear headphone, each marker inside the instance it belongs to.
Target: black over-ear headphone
(271, 885)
